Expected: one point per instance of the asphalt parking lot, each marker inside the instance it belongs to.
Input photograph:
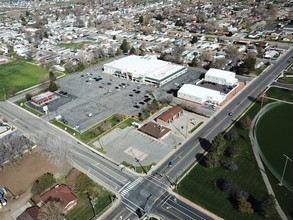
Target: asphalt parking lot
(95, 95)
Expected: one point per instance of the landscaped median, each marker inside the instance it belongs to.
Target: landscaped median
(97, 131)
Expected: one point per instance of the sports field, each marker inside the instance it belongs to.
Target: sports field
(274, 136)
(16, 76)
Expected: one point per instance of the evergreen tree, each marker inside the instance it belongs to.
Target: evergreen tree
(124, 46)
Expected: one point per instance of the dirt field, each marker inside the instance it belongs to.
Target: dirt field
(19, 178)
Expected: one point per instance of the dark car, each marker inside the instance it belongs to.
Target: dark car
(231, 113)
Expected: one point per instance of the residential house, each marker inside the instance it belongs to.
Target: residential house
(62, 194)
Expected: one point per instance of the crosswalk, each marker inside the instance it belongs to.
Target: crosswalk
(124, 190)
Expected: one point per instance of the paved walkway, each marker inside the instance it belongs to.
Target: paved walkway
(259, 161)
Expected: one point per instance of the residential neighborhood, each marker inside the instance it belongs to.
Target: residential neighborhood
(130, 109)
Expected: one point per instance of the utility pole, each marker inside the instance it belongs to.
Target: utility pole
(287, 158)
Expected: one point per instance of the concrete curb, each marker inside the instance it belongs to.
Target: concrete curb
(212, 215)
(258, 158)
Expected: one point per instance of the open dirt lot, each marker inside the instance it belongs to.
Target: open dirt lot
(20, 177)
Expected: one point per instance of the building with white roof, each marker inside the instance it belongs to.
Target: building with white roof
(200, 95)
(221, 77)
(145, 69)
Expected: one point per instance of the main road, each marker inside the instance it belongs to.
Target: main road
(148, 194)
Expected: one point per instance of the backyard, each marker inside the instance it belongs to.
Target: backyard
(16, 76)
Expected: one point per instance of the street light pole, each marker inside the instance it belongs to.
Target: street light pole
(287, 158)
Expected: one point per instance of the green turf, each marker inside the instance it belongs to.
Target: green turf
(198, 185)
(83, 209)
(16, 76)
(74, 45)
(274, 136)
(282, 94)
(288, 80)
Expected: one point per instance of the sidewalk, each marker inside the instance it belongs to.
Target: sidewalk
(259, 161)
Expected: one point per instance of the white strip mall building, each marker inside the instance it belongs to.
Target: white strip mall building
(145, 69)
(200, 95)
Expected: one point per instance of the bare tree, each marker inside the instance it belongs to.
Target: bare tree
(56, 150)
(51, 211)
(232, 53)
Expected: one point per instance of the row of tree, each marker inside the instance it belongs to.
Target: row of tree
(13, 147)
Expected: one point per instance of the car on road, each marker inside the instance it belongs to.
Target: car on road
(171, 164)
(231, 113)
(101, 86)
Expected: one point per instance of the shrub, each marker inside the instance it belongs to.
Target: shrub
(44, 182)
(233, 151)
(229, 165)
(244, 206)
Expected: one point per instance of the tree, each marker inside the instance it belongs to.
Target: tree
(52, 86)
(52, 210)
(206, 56)
(268, 205)
(141, 19)
(229, 164)
(177, 53)
(124, 46)
(218, 63)
(119, 117)
(233, 54)
(232, 134)
(212, 159)
(52, 76)
(28, 96)
(194, 40)
(233, 151)
(244, 206)
(159, 17)
(246, 123)
(106, 125)
(180, 23)
(193, 63)
(44, 182)
(247, 65)
(218, 144)
(133, 51)
(118, 52)
(114, 37)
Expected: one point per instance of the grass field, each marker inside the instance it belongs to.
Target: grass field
(288, 80)
(198, 186)
(74, 45)
(282, 94)
(16, 76)
(86, 189)
(274, 136)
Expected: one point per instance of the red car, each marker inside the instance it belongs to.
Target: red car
(101, 87)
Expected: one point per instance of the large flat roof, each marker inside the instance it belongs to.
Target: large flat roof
(220, 73)
(148, 66)
(201, 92)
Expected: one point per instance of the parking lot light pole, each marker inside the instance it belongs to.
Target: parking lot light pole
(287, 158)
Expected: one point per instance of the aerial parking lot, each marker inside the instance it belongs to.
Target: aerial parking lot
(96, 96)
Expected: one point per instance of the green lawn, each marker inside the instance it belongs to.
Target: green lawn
(95, 132)
(282, 94)
(274, 136)
(84, 189)
(16, 76)
(199, 185)
(288, 80)
(74, 45)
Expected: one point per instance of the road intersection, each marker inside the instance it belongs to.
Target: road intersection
(148, 194)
